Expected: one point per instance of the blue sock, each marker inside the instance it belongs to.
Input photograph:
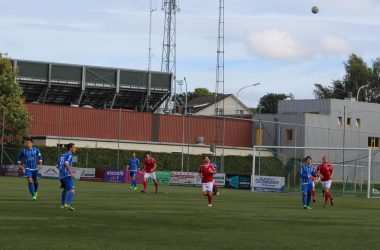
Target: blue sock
(31, 188)
(304, 199)
(63, 199)
(70, 198)
(308, 198)
(35, 186)
(134, 183)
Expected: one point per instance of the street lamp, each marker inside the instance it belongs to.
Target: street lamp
(184, 113)
(357, 95)
(237, 94)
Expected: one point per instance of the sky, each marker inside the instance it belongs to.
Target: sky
(278, 43)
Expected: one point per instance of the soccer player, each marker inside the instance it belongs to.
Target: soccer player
(215, 188)
(307, 171)
(150, 171)
(206, 171)
(66, 177)
(133, 166)
(27, 161)
(325, 172)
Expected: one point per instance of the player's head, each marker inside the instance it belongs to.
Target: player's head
(206, 159)
(28, 142)
(71, 147)
(325, 159)
(308, 159)
(133, 154)
(147, 155)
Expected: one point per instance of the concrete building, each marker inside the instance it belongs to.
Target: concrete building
(323, 123)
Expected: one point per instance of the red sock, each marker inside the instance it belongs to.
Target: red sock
(209, 197)
(331, 197)
(313, 194)
(156, 185)
(144, 185)
(327, 195)
(216, 188)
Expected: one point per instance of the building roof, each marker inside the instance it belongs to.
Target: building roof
(206, 101)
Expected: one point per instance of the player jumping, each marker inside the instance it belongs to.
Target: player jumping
(133, 166)
(206, 172)
(307, 171)
(66, 177)
(325, 172)
(150, 171)
(27, 161)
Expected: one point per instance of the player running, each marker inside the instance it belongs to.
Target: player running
(66, 177)
(206, 171)
(150, 171)
(27, 161)
(133, 166)
(307, 171)
(325, 172)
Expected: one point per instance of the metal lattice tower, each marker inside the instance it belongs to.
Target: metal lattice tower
(168, 63)
(219, 85)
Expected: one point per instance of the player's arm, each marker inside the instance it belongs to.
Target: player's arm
(39, 159)
(67, 166)
(128, 164)
(138, 164)
(212, 170)
(314, 173)
(155, 166)
(332, 172)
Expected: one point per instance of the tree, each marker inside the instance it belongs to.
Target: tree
(268, 103)
(12, 103)
(357, 75)
(198, 92)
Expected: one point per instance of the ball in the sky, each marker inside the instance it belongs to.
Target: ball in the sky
(315, 9)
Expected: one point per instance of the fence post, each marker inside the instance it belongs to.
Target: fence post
(253, 167)
(369, 173)
(2, 137)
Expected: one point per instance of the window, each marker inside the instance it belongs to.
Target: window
(259, 136)
(289, 135)
(349, 122)
(373, 142)
(358, 123)
(239, 112)
(219, 111)
(340, 121)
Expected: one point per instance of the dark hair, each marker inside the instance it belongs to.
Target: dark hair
(308, 157)
(148, 153)
(70, 145)
(28, 139)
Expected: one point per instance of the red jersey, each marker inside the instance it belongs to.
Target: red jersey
(205, 173)
(149, 165)
(326, 171)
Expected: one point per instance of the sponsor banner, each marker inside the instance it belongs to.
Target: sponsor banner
(238, 181)
(163, 177)
(269, 183)
(114, 175)
(11, 170)
(52, 172)
(191, 178)
(245, 182)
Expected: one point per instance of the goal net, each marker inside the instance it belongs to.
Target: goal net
(278, 168)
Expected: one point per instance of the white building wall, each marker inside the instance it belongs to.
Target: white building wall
(230, 107)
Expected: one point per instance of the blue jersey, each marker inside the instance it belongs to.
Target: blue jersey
(215, 166)
(66, 157)
(306, 173)
(134, 164)
(28, 157)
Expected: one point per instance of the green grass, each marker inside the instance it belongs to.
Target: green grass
(110, 216)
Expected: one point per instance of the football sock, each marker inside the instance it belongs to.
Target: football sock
(304, 199)
(156, 185)
(144, 185)
(313, 194)
(327, 195)
(70, 197)
(63, 199)
(216, 188)
(35, 186)
(209, 197)
(134, 183)
(31, 188)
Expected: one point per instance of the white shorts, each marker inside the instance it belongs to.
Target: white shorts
(207, 186)
(150, 175)
(326, 184)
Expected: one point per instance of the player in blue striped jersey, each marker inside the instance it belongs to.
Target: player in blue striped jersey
(66, 176)
(27, 160)
(133, 166)
(307, 171)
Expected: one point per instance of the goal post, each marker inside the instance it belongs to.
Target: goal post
(356, 170)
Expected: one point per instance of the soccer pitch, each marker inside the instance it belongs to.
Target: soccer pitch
(110, 216)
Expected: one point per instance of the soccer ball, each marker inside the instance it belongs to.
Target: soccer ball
(315, 9)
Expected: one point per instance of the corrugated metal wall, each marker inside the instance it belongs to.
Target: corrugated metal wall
(53, 120)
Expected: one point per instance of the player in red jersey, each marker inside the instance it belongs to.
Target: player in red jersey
(206, 172)
(150, 171)
(325, 172)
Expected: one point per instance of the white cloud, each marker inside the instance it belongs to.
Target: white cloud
(277, 44)
(335, 46)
